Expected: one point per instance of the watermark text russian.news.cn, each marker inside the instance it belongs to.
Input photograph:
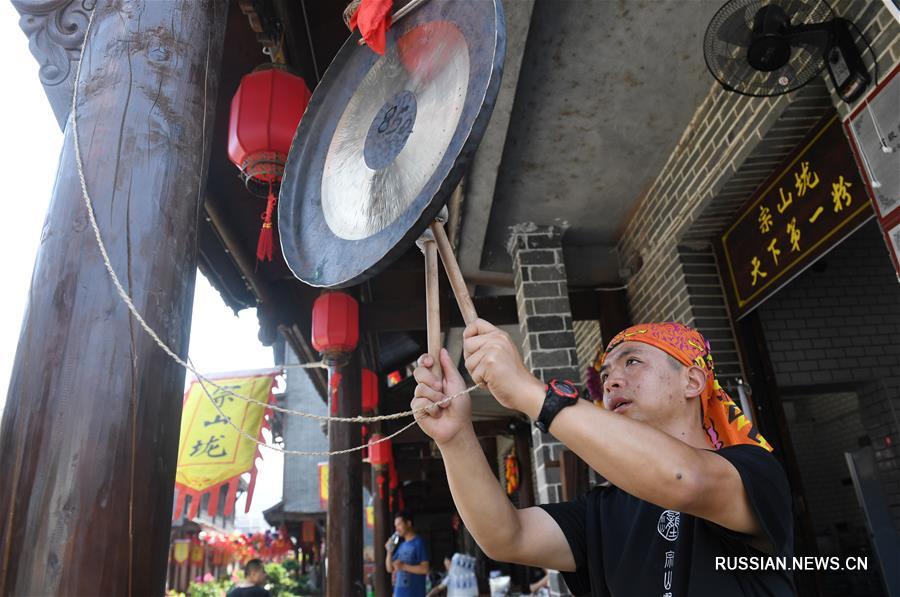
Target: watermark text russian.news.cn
(796, 563)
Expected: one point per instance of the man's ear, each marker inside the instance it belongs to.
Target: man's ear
(696, 381)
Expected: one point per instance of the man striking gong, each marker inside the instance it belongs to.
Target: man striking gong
(690, 478)
(383, 143)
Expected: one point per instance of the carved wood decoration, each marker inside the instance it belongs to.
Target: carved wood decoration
(55, 30)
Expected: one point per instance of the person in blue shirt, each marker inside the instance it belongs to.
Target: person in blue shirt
(408, 561)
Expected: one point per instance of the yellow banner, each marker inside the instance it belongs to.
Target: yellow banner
(180, 551)
(211, 451)
(323, 485)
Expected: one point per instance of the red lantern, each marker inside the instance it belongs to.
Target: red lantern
(335, 323)
(365, 451)
(381, 453)
(265, 113)
(369, 390)
(394, 480)
(511, 466)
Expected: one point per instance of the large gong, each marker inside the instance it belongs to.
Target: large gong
(385, 140)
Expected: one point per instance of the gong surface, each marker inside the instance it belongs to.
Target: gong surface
(385, 140)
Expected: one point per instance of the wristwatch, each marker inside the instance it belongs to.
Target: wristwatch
(560, 394)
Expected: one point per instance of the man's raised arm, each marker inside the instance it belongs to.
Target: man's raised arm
(529, 536)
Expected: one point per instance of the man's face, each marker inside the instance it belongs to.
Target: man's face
(643, 383)
(258, 577)
(401, 526)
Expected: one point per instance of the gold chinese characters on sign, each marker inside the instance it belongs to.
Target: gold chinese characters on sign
(810, 206)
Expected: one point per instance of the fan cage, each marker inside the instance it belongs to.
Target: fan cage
(727, 40)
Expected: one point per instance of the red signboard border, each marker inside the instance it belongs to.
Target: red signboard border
(889, 220)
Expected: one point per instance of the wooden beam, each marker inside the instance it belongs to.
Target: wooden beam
(610, 307)
(396, 316)
(90, 430)
(408, 315)
(415, 434)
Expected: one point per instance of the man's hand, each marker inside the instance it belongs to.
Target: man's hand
(442, 422)
(494, 361)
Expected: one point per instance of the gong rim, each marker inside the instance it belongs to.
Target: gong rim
(314, 253)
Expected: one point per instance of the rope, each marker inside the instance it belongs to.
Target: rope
(201, 379)
(414, 413)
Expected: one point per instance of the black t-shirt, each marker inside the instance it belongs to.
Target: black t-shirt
(254, 591)
(624, 546)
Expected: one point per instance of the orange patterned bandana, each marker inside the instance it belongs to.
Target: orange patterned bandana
(723, 420)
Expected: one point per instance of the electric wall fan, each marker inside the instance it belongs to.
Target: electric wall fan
(763, 48)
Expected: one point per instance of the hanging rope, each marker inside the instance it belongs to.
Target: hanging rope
(417, 414)
(201, 379)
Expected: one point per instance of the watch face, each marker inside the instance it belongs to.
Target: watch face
(564, 388)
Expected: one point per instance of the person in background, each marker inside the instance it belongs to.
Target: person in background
(540, 587)
(409, 560)
(440, 587)
(254, 580)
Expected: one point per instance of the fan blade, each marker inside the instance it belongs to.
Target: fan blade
(736, 28)
(806, 59)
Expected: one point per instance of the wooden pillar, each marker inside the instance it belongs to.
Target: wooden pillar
(344, 534)
(384, 526)
(573, 475)
(526, 472)
(90, 430)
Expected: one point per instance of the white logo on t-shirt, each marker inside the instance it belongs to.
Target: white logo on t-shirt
(668, 524)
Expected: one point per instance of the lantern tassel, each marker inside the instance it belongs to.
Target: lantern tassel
(264, 247)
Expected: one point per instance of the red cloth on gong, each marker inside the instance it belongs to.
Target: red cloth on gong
(373, 19)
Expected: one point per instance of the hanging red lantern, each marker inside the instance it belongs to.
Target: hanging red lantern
(364, 432)
(380, 453)
(335, 323)
(511, 472)
(265, 112)
(393, 487)
(369, 390)
(393, 479)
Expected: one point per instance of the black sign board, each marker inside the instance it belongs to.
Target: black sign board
(816, 200)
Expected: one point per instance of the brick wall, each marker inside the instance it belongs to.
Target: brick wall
(587, 341)
(823, 427)
(732, 144)
(839, 323)
(545, 318)
(548, 344)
